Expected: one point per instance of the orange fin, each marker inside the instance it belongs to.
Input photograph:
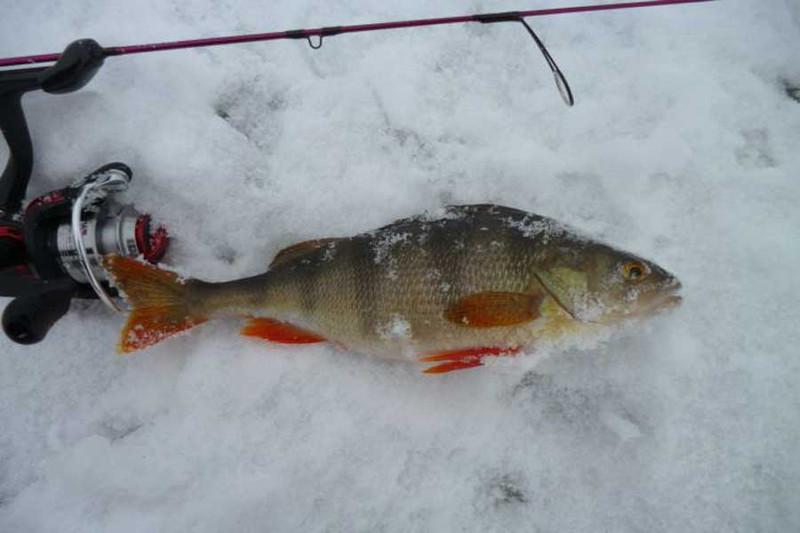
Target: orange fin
(159, 301)
(279, 331)
(452, 365)
(148, 326)
(492, 308)
(299, 249)
(464, 358)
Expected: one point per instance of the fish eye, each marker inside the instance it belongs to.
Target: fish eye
(634, 271)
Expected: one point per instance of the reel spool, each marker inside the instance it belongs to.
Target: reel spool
(98, 226)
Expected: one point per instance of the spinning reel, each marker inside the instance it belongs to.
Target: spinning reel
(52, 251)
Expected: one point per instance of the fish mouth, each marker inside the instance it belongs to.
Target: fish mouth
(671, 301)
(666, 296)
(667, 301)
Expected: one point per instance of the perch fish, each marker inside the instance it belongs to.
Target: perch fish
(473, 282)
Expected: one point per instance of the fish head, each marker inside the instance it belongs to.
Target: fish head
(594, 282)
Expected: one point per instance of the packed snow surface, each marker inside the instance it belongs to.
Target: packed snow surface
(683, 147)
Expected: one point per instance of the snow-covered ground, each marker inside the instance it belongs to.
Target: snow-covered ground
(683, 146)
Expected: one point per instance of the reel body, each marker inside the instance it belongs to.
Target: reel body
(64, 236)
(52, 251)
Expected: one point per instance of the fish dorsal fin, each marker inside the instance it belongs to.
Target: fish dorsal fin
(300, 249)
(491, 309)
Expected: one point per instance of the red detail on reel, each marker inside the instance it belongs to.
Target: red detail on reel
(12, 250)
(23, 271)
(10, 232)
(49, 198)
(153, 245)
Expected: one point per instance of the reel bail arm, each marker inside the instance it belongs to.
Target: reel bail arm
(111, 180)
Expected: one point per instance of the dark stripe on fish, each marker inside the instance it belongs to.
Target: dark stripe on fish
(519, 254)
(308, 277)
(366, 277)
(446, 247)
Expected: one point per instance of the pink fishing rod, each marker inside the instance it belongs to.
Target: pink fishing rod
(328, 31)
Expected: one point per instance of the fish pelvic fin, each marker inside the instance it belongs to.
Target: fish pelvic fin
(461, 359)
(159, 299)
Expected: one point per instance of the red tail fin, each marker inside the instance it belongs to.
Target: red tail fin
(158, 299)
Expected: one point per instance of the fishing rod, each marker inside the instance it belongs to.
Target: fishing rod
(329, 31)
(510, 16)
(51, 252)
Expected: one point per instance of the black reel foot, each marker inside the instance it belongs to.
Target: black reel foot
(27, 319)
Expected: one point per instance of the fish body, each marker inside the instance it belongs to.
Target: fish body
(475, 280)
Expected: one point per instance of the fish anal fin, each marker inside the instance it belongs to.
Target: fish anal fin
(300, 249)
(451, 366)
(490, 309)
(279, 331)
(463, 358)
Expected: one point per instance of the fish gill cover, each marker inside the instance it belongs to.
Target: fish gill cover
(682, 147)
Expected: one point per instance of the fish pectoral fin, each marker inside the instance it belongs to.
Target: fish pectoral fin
(279, 331)
(463, 358)
(490, 309)
(300, 249)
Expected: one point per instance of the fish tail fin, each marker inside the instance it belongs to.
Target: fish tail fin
(159, 299)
